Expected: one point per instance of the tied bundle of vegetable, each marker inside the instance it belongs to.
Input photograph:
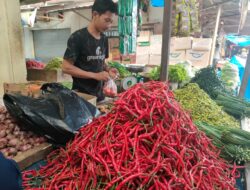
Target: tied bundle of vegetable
(54, 64)
(203, 108)
(154, 74)
(230, 77)
(234, 143)
(13, 140)
(121, 69)
(177, 73)
(146, 142)
(208, 81)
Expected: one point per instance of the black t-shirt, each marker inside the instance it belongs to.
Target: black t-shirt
(88, 54)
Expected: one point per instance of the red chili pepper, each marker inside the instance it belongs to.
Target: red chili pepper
(147, 141)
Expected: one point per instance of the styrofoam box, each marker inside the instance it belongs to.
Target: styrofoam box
(247, 173)
(245, 124)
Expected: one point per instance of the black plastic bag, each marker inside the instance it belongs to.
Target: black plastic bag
(58, 114)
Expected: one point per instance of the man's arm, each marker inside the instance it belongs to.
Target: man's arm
(69, 68)
(106, 67)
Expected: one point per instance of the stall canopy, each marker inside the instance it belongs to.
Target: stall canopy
(242, 41)
(157, 3)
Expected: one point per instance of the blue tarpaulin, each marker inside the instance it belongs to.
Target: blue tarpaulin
(242, 41)
(157, 3)
(240, 63)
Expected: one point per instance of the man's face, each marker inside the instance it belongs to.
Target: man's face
(103, 21)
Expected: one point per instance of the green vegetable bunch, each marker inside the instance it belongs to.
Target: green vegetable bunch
(54, 64)
(177, 73)
(208, 81)
(155, 73)
(121, 69)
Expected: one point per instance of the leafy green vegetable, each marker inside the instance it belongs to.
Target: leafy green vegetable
(54, 64)
(155, 73)
(208, 81)
(177, 73)
(121, 69)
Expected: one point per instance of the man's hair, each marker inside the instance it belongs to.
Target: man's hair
(102, 6)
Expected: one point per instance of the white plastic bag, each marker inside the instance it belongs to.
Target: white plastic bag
(110, 88)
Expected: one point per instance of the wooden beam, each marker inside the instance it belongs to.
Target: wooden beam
(218, 4)
(245, 77)
(81, 15)
(215, 36)
(166, 37)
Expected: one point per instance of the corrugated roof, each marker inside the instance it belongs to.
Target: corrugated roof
(58, 5)
(231, 14)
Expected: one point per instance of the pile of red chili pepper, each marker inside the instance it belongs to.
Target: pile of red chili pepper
(146, 142)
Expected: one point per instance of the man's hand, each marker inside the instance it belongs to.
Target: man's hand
(102, 76)
(114, 73)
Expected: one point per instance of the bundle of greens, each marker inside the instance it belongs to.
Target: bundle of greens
(230, 76)
(54, 64)
(155, 73)
(234, 143)
(177, 73)
(121, 69)
(208, 81)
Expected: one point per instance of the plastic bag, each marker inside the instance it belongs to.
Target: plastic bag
(110, 88)
(57, 115)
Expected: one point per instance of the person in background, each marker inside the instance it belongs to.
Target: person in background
(10, 175)
(87, 50)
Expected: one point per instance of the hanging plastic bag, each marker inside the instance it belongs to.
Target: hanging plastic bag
(110, 88)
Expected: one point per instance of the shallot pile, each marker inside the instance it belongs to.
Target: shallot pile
(14, 140)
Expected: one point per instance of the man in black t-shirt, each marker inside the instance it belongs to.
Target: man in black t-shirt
(87, 49)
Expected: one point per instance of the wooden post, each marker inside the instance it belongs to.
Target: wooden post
(215, 36)
(12, 60)
(166, 37)
(245, 77)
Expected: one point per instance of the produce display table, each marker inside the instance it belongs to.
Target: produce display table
(32, 156)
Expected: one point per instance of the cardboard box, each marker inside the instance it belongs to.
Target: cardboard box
(114, 55)
(48, 76)
(155, 60)
(91, 99)
(199, 59)
(202, 44)
(128, 59)
(142, 50)
(184, 43)
(177, 56)
(156, 44)
(144, 36)
(142, 59)
(31, 89)
(114, 51)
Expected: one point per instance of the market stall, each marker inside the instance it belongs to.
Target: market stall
(187, 133)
